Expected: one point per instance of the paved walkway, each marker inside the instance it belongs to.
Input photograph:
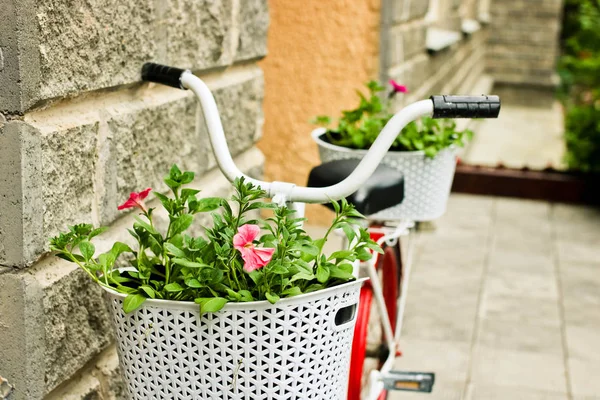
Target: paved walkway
(528, 132)
(504, 302)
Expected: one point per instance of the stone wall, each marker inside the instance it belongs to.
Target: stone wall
(406, 58)
(524, 41)
(78, 132)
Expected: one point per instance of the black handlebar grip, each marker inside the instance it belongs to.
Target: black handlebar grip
(163, 74)
(466, 106)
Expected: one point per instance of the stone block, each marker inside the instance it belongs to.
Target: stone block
(404, 10)
(68, 165)
(77, 324)
(406, 42)
(21, 207)
(418, 9)
(253, 22)
(91, 45)
(66, 49)
(197, 34)
(19, 59)
(22, 335)
(101, 380)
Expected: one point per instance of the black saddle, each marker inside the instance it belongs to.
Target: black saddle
(384, 189)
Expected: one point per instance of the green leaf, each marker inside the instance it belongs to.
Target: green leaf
(349, 231)
(181, 224)
(319, 243)
(278, 269)
(246, 295)
(338, 273)
(174, 250)
(145, 225)
(97, 232)
(211, 304)
(166, 202)
(187, 177)
(87, 250)
(172, 183)
(193, 283)
(322, 273)
(186, 193)
(235, 296)
(132, 302)
(293, 291)
(346, 267)
(363, 254)
(341, 254)
(173, 287)
(374, 247)
(302, 276)
(149, 291)
(314, 287)
(273, 298)
(175, 172)
(208, 204)
(187, 263)
(125, 289)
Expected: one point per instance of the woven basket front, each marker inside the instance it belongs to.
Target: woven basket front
(427, 181)
(291, 350)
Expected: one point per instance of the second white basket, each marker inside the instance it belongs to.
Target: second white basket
(427, 181)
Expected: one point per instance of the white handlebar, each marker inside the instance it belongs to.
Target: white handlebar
(298, 193)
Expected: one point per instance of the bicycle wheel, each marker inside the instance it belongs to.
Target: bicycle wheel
(390, 269)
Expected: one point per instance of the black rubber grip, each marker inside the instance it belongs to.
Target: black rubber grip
(466, 106)
(162, 74)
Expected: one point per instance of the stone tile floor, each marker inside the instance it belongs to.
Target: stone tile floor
(528, 132)
(504, 302)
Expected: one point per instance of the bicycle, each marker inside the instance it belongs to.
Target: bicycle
(385, 190)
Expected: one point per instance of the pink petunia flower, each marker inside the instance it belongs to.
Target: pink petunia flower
(135, 200)
(254, 258)
(397, 87)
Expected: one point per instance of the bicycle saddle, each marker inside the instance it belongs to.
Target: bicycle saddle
(384, 189)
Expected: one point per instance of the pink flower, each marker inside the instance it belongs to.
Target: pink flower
(135, 200)
(397, 87)
(254, 258)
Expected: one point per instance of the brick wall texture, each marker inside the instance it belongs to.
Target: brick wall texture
(523, 44)
(405, 57)
(78, 132)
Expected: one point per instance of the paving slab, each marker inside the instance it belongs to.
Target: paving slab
(519, 368)
(518, 284)
(495, 392)
(502, 140)
(536, 337)
(585, 377)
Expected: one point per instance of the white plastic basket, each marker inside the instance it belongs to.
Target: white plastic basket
(427, 181)
(298, 348)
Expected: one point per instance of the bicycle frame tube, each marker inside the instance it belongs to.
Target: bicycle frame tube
(299, 193)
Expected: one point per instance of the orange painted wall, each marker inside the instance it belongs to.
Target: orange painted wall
(319, 53)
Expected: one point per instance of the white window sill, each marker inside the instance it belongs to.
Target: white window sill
(440, 39)
(484, 18)
(470, 26)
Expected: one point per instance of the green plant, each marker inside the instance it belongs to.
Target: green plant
(230, 262)
(579, 68)
(358, 128)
